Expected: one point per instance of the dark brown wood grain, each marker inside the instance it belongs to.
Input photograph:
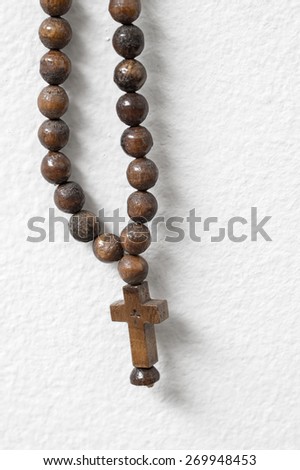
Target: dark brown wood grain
(55, 67)
(141, 206)
(132, 109)
(141, 313)
(128, 41)
(69, 197)
(54, 135)
(125, 11)
(130, 75)
(56, 7)
(136, 141)
(142, 174)
(135, 238)
(53, 102)
(56, 168)
(84, 226)
(133, 269)
(55, 33)
(107, 248)
(144, 377)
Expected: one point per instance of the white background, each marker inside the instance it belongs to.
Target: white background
(223, 87)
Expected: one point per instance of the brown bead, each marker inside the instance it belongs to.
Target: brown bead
(142, 174)
(141, 206)
(133, 269)
(55, 67)
(54, 135)
(56, 7)
(136, 141)
(56, 168)
(53, 102)
(130, 75)
(135, 238)
(84, 226)
(107, 248)
(125, 11)
(128, 41)
(69, 197)
(146, 377)
(132, 109)
(55, 33)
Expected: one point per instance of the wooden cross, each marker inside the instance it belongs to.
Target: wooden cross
(141, 313)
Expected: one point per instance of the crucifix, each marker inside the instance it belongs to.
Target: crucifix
(141, 313)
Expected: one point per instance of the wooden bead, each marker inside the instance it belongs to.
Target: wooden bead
(56, 7)
(53, 102)
(69, 197)
(107, 248)
(55, 33)
(133, 269)
(130, 75)
(135, 238)
(136, 141)
(128, 41)
(132, 109)
(142, 174)
(141, 206)
(55, 67)
(125, 11)
(56, 168)
(144, 377)
(84, 226)
(54, 135)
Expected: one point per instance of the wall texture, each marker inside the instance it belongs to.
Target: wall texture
(224, 93)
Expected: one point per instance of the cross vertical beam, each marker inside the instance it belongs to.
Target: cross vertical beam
(141, 313)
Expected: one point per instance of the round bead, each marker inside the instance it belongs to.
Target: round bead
(107, 248)
(146, 377)
(56, 7)
(56, 168)
(133, 269)
(142, 174)
(55, 33)
(53, 102)
(130, 75)
(84, 226)
(141, 206)
(135, 238)
(128, 41)
(54, 135)
(55, 67)
(132, 109)
(69, 197)
(125, 11)
(136, 141)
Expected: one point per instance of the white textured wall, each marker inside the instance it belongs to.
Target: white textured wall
(224, 94)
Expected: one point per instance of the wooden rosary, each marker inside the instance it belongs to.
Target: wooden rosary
(137, 309)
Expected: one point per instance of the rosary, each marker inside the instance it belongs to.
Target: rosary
(137, 309)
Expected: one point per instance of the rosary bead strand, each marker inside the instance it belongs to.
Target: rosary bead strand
(138, 310)
(55, 67)
(142, 174)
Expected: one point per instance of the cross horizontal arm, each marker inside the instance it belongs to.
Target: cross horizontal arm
(155, 311)
(118, 311)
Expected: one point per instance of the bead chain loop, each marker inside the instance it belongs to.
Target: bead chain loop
(132, 108)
